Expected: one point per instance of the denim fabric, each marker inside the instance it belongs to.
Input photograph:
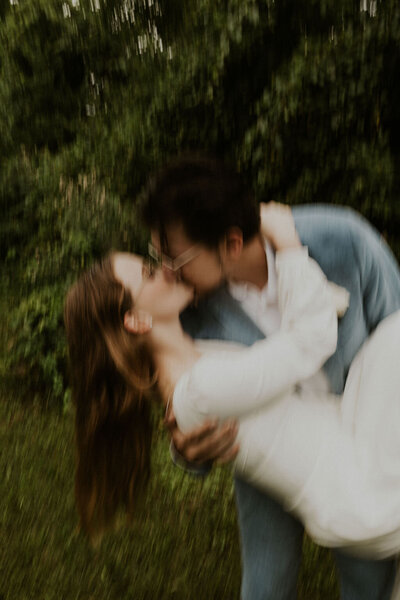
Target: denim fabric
(353, 255)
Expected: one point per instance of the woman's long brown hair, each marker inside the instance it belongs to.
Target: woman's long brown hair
(112, 375)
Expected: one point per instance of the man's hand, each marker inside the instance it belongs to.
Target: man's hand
(209, 442)
(277, 225)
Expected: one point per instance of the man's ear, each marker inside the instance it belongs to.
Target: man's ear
(137, 321)
(233, 244)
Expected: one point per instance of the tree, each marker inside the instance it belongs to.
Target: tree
(302, 95)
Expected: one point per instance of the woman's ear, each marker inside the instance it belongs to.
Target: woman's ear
(138, 321)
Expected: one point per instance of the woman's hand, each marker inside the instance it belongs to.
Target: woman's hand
(277, 225)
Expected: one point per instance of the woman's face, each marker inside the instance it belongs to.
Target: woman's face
(156, 294)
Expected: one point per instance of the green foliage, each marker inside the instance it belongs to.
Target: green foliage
(64, 63)
(38, 350)
(42, 76)
(319, 135)
(303, 95)
(75, 222)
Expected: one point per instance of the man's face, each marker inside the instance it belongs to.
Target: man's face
(204, 271)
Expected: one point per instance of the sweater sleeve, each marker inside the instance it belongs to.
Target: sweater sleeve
(232, 384)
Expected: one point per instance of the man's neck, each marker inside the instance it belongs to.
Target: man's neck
(252, 266)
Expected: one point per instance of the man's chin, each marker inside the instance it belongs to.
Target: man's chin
(190, 293)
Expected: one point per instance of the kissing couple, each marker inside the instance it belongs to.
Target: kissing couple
(295, 377)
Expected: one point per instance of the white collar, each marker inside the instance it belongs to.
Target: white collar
(241, 290)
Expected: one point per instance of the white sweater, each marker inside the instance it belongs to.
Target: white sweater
(310, 451)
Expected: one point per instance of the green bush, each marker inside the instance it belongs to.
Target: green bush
(37, 350)
(76, 222)
(303, 96)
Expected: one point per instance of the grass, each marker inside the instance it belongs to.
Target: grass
(185, 544)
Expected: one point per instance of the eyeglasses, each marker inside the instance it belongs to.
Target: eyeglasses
(173, 264)
(148, 269)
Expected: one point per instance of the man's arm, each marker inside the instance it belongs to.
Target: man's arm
(350, 251)
(380, 275)
(353, 255)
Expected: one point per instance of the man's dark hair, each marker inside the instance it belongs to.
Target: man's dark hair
(203, 194)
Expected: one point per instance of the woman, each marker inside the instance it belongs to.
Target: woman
(332, 461)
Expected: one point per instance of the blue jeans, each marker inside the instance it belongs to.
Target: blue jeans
(271, 541)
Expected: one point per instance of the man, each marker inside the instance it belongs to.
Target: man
(206, 226)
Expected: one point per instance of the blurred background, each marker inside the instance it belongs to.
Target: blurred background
(303, 96)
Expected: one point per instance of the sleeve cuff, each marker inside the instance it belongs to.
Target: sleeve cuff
(180, 462)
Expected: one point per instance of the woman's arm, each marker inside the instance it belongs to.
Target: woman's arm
(231, 384)
(278, 226)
